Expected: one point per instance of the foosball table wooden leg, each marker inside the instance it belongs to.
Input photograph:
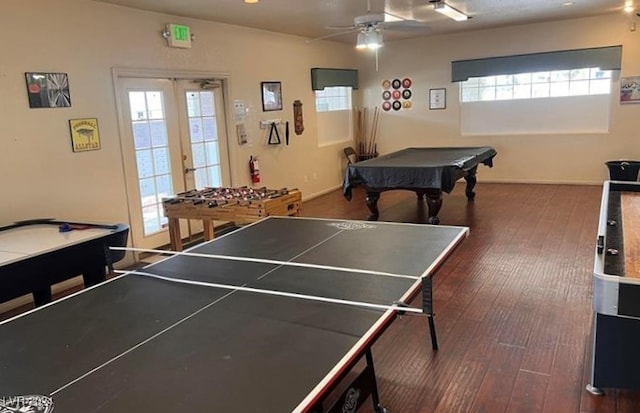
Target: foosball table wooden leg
(208, 229)
(174, 234)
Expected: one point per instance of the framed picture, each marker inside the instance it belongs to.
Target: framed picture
(630, 90)
(84, 134)
(271, 96)
(437, 99)
(48, 90)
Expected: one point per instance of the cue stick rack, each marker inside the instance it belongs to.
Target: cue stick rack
(366, 132)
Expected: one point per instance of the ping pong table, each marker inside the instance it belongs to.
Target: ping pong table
(272, 317)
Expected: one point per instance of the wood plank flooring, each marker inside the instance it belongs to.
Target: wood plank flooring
(513, 304)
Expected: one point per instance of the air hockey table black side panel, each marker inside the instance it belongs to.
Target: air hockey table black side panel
(617, 352)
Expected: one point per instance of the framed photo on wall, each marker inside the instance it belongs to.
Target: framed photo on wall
(84, 134)
(271, 96)
(630, 90)
(48, 90)
(437, 99)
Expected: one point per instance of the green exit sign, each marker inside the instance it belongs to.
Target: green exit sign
(179, 35)
(181, 32)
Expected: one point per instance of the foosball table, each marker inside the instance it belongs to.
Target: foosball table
(238, 205)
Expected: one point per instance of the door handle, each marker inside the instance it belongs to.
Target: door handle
(187, 170)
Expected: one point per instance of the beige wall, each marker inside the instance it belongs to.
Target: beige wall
(522, 158)
(40, 176)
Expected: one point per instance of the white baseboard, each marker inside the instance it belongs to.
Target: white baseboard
(318, 194)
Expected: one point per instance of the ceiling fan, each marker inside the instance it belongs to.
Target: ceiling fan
(370, 26)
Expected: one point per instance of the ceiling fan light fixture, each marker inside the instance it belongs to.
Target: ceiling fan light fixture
(455, 14)
(369, 38)
(362, 41)
(251, 1)
(374, 40)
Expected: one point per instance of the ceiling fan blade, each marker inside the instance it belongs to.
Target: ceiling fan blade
(353, 29)
(350, 27)
(389, 16)
(406, 25)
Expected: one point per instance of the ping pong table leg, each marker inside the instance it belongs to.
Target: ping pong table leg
(427, 307)
(358, 391)
(374, 385)
(432, 330)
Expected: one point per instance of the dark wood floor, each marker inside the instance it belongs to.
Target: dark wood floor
(513, 305)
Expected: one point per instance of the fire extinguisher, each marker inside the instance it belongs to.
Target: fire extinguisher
(254, 169)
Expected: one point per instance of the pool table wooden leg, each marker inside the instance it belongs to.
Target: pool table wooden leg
(434, 202)
(372, 204)
(471, 179)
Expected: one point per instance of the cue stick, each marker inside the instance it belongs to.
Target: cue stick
(374, 131)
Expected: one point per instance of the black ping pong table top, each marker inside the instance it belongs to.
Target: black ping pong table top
(136, 343)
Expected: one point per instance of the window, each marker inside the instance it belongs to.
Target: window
(555, 92)
(334, 108)
(548, 84)
(546, 102)
(333, 98)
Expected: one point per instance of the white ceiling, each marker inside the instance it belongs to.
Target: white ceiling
(310, 18)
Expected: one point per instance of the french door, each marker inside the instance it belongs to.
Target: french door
(203, 132)
(173, 140)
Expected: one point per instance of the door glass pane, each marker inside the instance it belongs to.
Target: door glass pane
(195, 129)
(141, 135)
(214, 175)
(197, 153)
(208, 104)
(152, 156)
(154, 105)
(144, 163)
(161, 161)
(138, 105)
(147, 192)
(209, 129)
(164, 188)
(212, 153)
(193, 104)
(158, 132)
(201, 176)
(203, 128)
(151, 219)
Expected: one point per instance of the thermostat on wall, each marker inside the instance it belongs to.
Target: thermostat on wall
(178, 35)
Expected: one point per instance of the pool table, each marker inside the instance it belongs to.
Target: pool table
(427, 171)
(37, 253)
